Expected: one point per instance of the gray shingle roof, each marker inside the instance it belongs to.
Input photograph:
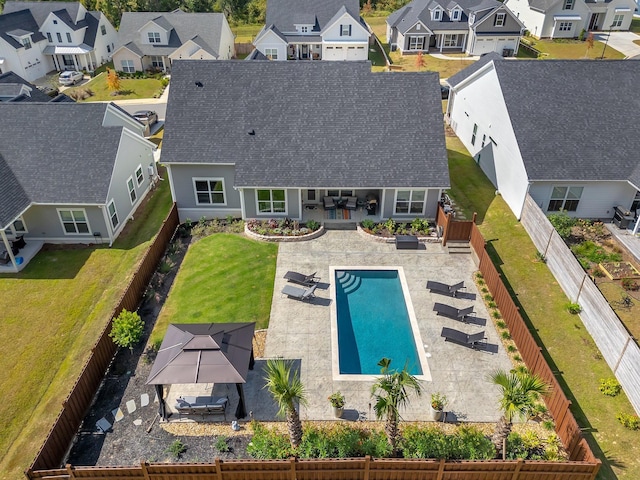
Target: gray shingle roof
(574, 119)
(420, 10)
(283, 13)
(76, 168)
(316, 124)
(454, 80)
(542, 5)
(183, 27)
(16, 80)
(22, 20)
(41, 10)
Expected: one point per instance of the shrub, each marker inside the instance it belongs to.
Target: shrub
(630, 284)
(573, 308)
(632, 422)
(594, 253)
(268, 444)
(512, 348)
(548, 425)
(312, 225)
(562, 223)
(164, 82)
(472, 444)
(425, 443)
(517, 358)
(501, 324)
(610, 386)
(492, 304)
(221, 444)
(496, 314)
(540, 257)
(488, 297)
(527, 447)
(479, 275)
(505, 335)
(177, 448)
(127, 329)
(368, 224)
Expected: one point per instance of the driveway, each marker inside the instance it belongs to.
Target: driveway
(621, 41)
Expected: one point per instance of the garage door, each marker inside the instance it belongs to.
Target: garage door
(334, 53)
(484, 45)
(357, 53)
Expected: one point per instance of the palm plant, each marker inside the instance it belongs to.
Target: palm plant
(285, 387)
(391, 392)
(521, 390)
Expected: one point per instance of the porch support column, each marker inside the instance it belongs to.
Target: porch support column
(637, 226)
(441, 41)
(300, 204)
(242, 207)
(382, 202)
(464, 41)
(297, 51)
(75, 61)
(8, 248)
(162, 407)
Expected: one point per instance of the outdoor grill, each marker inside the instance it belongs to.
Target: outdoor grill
(622, 217)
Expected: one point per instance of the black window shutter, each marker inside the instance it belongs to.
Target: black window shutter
(349, 30)
(340, 30)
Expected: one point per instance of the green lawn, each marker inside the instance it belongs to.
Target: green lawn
(52, 313)
(572, 49)
(566, 344)
(635, 25)
(246, 33)
(131, 88)
(223, 278)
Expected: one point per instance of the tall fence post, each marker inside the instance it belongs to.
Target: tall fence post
(218, 469)
(367, 466)
(516, 472)
(292, 470)
(624, 349)
(143, 467)
(440, 470)
(580, 289)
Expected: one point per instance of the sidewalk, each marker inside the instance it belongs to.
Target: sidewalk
(446, 57)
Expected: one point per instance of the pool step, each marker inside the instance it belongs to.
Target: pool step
(349, 283)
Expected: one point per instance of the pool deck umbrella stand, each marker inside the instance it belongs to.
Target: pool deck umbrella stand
(204, 353)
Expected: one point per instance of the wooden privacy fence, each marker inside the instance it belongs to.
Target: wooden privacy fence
(453, 230)
(365, 468)
(618, 348)
(244, 48)
(77, 403)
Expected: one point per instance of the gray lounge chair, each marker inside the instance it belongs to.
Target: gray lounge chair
(299, 293)
(352, 203)
(444, 288)
(452, 312)
(328, 203)
(306, 280)
(474, 340)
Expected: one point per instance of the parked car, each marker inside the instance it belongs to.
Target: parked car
(70, 77)
(147, 117)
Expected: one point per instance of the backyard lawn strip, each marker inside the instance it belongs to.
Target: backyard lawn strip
(67, 296)
(566, 344)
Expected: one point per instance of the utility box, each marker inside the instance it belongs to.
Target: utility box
(622, 217)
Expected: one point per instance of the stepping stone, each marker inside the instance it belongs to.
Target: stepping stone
(103, 425)
(137, 422)
(131, 406)
(144, 399)
(155, 399)
(118, 414)
(427, 354)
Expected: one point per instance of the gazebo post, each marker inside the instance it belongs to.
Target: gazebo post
(241, 411)
(252, 360)
(162, 408)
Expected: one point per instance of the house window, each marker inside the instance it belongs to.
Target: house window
(59, 37)
(156, 61)
(271, 53)
(127, 66)
(410, 202)
(455, 15)
(617, 21)
(304, 29)
(103, 30)
(154, 37)
(450, 40)
(473, 135)
(272, 201)
(339, 193)
(416, 43)
(345, 30)
(568, 5)
(565, 26)
(18, 227)
(209, 191)
(565, 198)
(108, 49)
(139, 175)
(437, 14)
(55, 22)
(49, 38)
(113, 215)
(68, 37)
(311, 195)
(500, 18)
(74, 222)
(484, 139)
(132, 190)
(418, 26)
(26, 42)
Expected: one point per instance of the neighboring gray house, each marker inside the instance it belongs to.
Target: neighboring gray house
(44, 36)
(560, 130)
(14, 88)
(272, 139)
(567, 18)
(152, 40)
(313, 30)
(472, 26)
(69, 173)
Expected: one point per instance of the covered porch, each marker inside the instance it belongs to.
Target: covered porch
(340, 205)
(16, 252)
(449, 41)
(81, 57)
(307, 48)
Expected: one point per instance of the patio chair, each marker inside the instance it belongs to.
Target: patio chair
(452, 312)
(299, 293)
(474, 340)
(328, 202)
(352, 203)
(306, 280)
(445, 288)
(4, 258)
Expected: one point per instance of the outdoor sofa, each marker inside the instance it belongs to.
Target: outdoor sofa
(202, 406)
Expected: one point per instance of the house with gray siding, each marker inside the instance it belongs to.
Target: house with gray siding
(152, 40)
(80, 188)
(475, 27)
(312, 30)
(272, 139)
(559, 130)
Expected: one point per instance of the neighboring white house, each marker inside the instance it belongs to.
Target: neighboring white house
(312, 30)
(69, 173)
(567, 18)
(37, 37)
(560, 130)
(152, 40)
(473, 26)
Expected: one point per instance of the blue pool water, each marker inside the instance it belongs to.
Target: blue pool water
(373, 322)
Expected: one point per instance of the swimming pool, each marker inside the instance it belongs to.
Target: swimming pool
(373, 318)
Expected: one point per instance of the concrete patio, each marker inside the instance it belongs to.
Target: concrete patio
(302, 331)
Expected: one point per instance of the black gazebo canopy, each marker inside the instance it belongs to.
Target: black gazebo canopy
(204, 353)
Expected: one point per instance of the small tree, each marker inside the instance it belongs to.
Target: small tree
(367, 8)
(127, 329)
(589, 42)
(419, 60)
(113, 81)
(562, 222)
